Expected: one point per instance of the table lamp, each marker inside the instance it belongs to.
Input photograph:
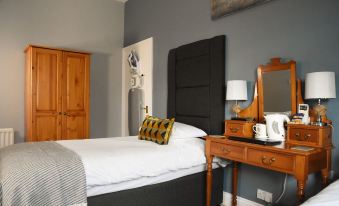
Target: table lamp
(236, 90)
(320, 85)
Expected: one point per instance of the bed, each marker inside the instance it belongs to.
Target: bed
(196, 94)
(326, 197)
(196, 79)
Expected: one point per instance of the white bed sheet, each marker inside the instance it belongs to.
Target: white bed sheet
(328, 196)
(99, 190)
(110, 161)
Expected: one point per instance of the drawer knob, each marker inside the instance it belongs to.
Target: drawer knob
(304, 138)
(267, 161)
(307, 136)
(234, 130)
(297, 136)
(225, 150)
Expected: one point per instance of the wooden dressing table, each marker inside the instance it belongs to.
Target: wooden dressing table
(281, 158)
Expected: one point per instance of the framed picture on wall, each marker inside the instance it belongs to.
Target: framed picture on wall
(221, 8)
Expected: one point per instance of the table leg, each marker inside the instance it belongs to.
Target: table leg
(235, 183)
(209, 180)
(301, 191)
(324, 175)
(325, 172)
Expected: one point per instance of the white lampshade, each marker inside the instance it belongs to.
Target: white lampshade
(320, 85)
(236, 90)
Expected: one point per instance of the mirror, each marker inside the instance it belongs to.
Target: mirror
(277, 94)
(277, 88)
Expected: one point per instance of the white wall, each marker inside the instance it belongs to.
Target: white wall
(91, 25)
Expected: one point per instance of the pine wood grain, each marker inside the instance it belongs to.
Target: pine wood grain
(56, 94)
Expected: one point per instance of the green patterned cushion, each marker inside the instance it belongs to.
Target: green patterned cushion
(156, 130)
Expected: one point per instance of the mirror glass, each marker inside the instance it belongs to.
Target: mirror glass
(277, 91)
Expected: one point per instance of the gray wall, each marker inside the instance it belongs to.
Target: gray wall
(304, 30)
(94, 26)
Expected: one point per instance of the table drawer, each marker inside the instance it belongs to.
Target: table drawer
(227, 151)
(305, 135)
(234, 129)
(239, 128)
(309, 135)
(271, 160)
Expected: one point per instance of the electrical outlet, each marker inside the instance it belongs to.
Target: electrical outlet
(268, 197)
(263, 195)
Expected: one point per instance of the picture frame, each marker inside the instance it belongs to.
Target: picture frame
(220, 8)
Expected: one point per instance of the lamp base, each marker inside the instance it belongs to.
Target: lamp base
(320, 110)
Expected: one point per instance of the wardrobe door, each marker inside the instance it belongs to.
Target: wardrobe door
(46, 94)
(75, 106)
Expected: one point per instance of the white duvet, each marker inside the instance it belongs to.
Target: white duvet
(327, 197)
(115, 160)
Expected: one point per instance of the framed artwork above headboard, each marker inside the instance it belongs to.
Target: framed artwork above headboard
(196, 84)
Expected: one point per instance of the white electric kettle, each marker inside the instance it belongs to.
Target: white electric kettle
(275, 126)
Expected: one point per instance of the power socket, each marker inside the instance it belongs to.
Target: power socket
(268, 197)
(263, 195)
(260, 194)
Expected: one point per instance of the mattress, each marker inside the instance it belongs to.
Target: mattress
(327, 197)
(120, 163)
(103, 189)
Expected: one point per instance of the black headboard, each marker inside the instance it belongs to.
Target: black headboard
(196, 84)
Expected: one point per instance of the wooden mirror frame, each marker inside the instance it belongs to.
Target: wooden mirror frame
(277, 65)
(256, 109)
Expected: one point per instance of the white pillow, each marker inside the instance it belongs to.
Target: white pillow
(184, 131)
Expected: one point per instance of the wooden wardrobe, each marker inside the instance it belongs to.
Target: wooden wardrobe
(56, 94)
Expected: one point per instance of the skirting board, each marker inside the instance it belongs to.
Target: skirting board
(227, 201)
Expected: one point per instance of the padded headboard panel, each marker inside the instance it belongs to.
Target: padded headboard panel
(196, 84)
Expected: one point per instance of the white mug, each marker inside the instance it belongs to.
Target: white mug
(260, 130)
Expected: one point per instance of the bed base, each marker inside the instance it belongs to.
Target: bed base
(184, 191)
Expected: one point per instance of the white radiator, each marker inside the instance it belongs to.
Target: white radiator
(6, 137)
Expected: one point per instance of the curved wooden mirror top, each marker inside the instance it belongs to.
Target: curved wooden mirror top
(277, 88)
